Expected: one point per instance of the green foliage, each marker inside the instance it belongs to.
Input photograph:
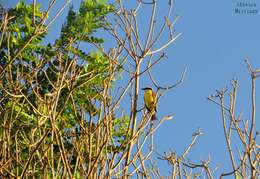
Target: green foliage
(21, 32)
(120, 129)
(81, 26)
(22, 26)
(35, 76)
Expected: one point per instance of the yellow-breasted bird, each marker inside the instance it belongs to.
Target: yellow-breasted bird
(150, 101)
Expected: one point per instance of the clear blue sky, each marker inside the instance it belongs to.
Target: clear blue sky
(213, 47)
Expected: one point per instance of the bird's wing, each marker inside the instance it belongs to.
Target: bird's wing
(154, 101)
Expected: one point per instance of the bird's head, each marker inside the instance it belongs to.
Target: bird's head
(147, 88)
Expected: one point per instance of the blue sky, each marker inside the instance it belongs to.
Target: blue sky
(213, 47)
(214, 44)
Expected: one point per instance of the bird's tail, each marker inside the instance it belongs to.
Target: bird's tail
(154, 116)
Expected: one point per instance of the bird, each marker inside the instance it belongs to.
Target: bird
(150, 101)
